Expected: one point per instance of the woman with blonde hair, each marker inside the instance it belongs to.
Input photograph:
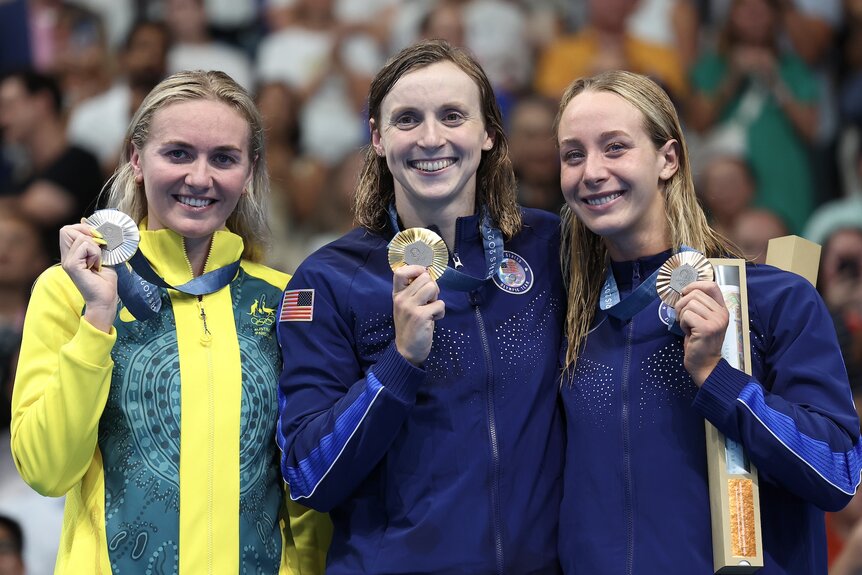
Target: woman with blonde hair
(156, 422)
(642, 375)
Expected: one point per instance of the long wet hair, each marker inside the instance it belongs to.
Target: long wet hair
(495, 180)
(248, 219)
(584, 257)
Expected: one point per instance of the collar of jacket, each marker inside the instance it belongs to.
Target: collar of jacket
(166, 252)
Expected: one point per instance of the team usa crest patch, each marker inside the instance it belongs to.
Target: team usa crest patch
(514, 275)
(666, 314)
(297, 305)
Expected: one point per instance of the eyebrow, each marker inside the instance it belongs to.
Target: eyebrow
(444, 106)
(184, 144)
(603, 136)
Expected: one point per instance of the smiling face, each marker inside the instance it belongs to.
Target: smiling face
(612, 175)
(432, 133)
(194, 167)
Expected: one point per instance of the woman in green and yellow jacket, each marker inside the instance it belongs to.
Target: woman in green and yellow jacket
(159, 429)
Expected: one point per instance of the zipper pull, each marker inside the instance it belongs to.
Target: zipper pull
(206, 336)
(457, 260)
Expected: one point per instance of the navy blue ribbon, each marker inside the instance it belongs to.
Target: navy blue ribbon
(609, 300)
(492, 240)
(138, 287)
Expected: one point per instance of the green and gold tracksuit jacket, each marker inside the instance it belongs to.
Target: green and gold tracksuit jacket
(161, 433)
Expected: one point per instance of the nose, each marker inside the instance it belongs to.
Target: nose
(595, 171)
(431, 135)
(198, 176)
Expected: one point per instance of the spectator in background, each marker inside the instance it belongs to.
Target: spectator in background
(534, 153)
(760, 101)
(98, 124)
(671, 23)
(851, 55)
(193, 47)
(726, 189)
(837, 226)
(328, 65)
(59, 181)
(752, 229)
(296, 181)
(444, 21)
(605, 44)
(22, 259)
(82, 63)
(11, 547)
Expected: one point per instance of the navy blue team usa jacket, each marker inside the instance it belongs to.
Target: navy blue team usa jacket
(454, 467)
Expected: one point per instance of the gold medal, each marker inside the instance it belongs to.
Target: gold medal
(680, 270)
(420, 247)
(120, 233)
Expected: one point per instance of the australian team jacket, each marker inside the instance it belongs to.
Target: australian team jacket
(160, 433)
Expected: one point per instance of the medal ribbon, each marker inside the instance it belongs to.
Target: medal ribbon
(624, 310)
(492, 240)
(139, 287)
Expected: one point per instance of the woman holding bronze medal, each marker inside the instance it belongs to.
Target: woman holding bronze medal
(418, 405)
(155, 418)
(639, 384)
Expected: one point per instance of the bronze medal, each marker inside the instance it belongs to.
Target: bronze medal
(421, 247)
(680, 270)
(120, 233)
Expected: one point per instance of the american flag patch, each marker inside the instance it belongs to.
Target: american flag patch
(297, 305)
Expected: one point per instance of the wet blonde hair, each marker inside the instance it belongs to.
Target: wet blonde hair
(495, 180)
(584, 256)
(248, 220)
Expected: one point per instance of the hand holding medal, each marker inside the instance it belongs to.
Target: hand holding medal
(119, 235)
(421, 247)
(680, 270)
(108, 237)
(702, 314)
(415, 292)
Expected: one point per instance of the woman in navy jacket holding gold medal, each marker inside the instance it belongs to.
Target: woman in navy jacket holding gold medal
(636, 394)
(422, 414)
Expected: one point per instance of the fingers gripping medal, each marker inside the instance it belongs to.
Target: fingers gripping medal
(680, 270)
(421, 247)
(122, 237)
(120, 233)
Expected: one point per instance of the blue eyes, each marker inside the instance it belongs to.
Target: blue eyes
(406, 121)
(613, 149)
(410, 120)
(219, 159)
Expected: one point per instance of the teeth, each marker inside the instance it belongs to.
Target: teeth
(194, 202)
(432, 166)
(603, 200)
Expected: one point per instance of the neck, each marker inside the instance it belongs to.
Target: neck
(442, 218)
(197, 250)
(632, 249)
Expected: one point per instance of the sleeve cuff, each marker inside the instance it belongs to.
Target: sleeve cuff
(400, 377)
(91, 345)
(717, 396)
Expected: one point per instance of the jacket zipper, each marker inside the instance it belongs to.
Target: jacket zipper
(627, 471)
(206, 342)
(455, 259)
(495, 448)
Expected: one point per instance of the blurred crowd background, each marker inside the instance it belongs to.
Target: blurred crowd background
(770, 92)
